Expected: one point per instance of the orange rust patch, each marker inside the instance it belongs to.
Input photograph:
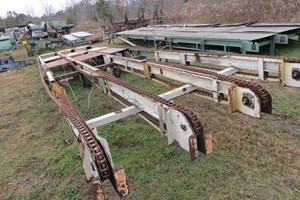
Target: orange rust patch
(118, 111)
(208, 143)
(122, 182)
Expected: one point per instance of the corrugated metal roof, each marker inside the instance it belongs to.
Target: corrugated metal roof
(70, 37)
(236, 29)
(199, 35)
(266, 29)
(230, 33)
(81, 34)
(275, 24)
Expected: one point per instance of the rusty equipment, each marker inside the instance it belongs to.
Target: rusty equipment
(10, 63)
(178, 123)
(127, 24)
(217, 86)
(8, 41)
(283, 69)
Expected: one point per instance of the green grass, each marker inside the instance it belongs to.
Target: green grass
(293, 50)
(252, 158)
(39, 159)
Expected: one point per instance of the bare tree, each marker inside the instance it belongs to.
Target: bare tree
(11, 19)
(29, 11)
(84, 10)
(70, 5)
(48, 8)
(70, 11)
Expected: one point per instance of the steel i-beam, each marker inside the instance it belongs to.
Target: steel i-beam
(210, 83)
(285, 69)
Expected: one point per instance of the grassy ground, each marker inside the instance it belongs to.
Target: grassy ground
(39, 158)
(252, 158)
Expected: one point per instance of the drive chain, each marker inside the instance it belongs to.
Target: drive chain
(96, 149)
(264, 96)
(197, 54)
(188, 113)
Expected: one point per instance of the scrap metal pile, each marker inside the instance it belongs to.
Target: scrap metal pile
(81, 38)
(52, 36)
(8, 41)
(60, 28)
(102, 68)
(10, 63)
(127, 24)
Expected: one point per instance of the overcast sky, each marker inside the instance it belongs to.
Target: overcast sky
(20, 6)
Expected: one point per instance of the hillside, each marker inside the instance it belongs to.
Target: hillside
(230, 11)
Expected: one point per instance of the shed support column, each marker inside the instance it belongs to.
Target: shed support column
(272, 46)
(202, 45)
(170, 44)
(243, 48)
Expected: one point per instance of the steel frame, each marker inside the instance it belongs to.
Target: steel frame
(131, 110)
(260, 65)
(170, 120)
(217, 87)
(215, 37)
(89, 162)
(172, 123)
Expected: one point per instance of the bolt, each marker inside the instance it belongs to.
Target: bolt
(183, 127)
(245, 101)
(296, 74)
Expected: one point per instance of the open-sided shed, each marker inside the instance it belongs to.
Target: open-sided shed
(210, 37)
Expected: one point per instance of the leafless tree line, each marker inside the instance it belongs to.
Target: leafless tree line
(173, 11)
(230, 11)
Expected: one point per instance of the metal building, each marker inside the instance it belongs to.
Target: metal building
(240, 37)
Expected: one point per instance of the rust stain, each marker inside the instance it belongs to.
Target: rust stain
(208, 143)
(95, 37)
(118, 111)
(197, 57)
(99, 193)
(122, 185)
(147, 73)
(193, 147)
(232, 99)
(161, 71)
(183, 127)
(279, 74)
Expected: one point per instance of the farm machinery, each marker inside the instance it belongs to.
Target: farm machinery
(10, 63)
(102, 66)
